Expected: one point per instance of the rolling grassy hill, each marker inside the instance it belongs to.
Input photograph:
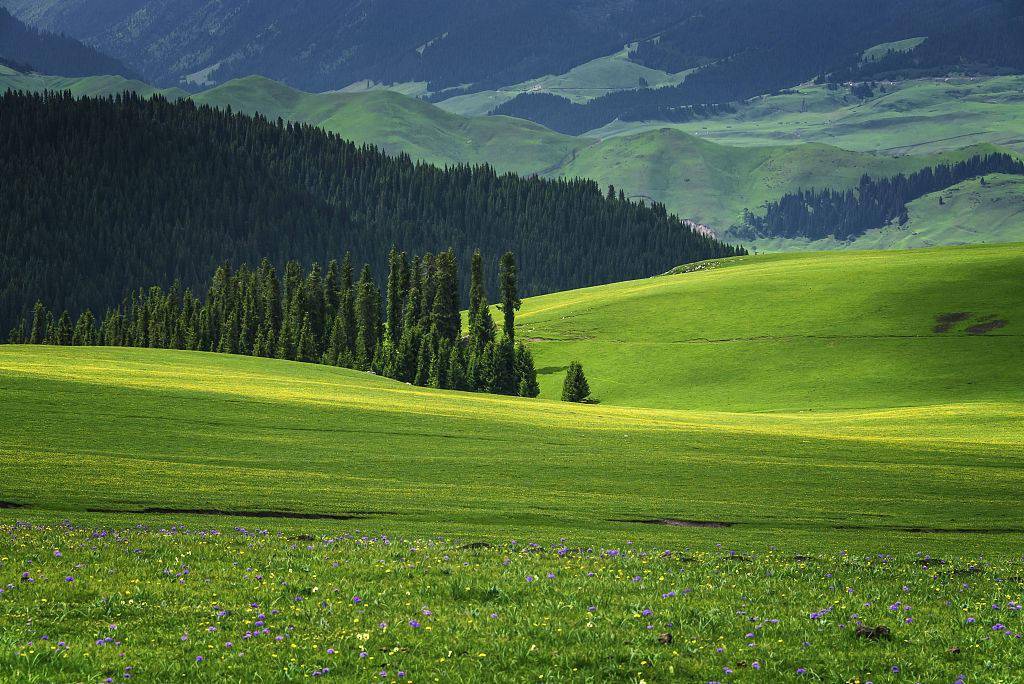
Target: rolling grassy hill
(796, 333)
(911, 117)
(580, 84)
(713, 183)
(403, 124)
(971, 213)
(805, 398)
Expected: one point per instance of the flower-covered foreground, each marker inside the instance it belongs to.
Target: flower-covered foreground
(104, 604)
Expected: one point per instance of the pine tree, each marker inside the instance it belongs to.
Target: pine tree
(526, 372)
(575, 387)
(477, 288)
(367, 319)
(17, 334)
(439, 363)
(394, 297)
(504, 379)
(38, 332)
(306, 350)
(423, 361)
(84, 333)
(510, 302)
(64, 330)
(446, 320)
(406, 355)
(457, 369)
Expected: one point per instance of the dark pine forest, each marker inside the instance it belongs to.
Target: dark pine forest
(99, 195)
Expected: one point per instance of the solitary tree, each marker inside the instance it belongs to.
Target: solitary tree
(575, 387)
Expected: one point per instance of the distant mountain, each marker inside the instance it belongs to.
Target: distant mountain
(102, 194)
(328, 44)
(24, 48)
(745, 48)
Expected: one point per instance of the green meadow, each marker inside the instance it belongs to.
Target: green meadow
(824, 444)
(806, 400)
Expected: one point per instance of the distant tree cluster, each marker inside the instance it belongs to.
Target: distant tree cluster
(412, 331)
(817, 214)
(51, 53)
(101, 194)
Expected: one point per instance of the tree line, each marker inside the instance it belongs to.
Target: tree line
(99, 194)
(844, 214)
(411, 330)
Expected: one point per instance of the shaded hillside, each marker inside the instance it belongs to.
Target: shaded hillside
(50, 53)
(102, 194)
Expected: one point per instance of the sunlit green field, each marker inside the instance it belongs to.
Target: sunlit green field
(768, 407)
(220, 604)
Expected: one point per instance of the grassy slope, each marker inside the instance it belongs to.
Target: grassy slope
(79, 86)
(914, 117)
(795, 333)
(838, 414)
(580, 84)
(879, 51)
(399, 123)
(971, 213)
(713, 183)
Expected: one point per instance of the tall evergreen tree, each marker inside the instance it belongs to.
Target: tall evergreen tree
(510, 302)
(394, 297)
(367, 319)
(38, 332)
(446, 320)
(526, 372)
(477, 288)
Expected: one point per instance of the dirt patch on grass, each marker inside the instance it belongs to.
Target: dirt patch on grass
(945, 322)
(674, 522)
(237, 514)
(987, 326)
(11, 504)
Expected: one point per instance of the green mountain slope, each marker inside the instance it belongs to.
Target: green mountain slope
(915, 117)
(797, 395)
(92, 86)
(713, 183)
(796, 333)
(970, 213)
(403, 124)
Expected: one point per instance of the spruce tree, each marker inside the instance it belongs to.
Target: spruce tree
(84, 333)
(510, 302)
(457, 369)
(423, 360)
(64, 329)
(367, 319)
(504, 379)
(394, 297)
(575, 388)
(439, 363)
(477, 288)
(17, 335)
(526, 372)
(306, 350)
(446, 320)
(38, 332)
